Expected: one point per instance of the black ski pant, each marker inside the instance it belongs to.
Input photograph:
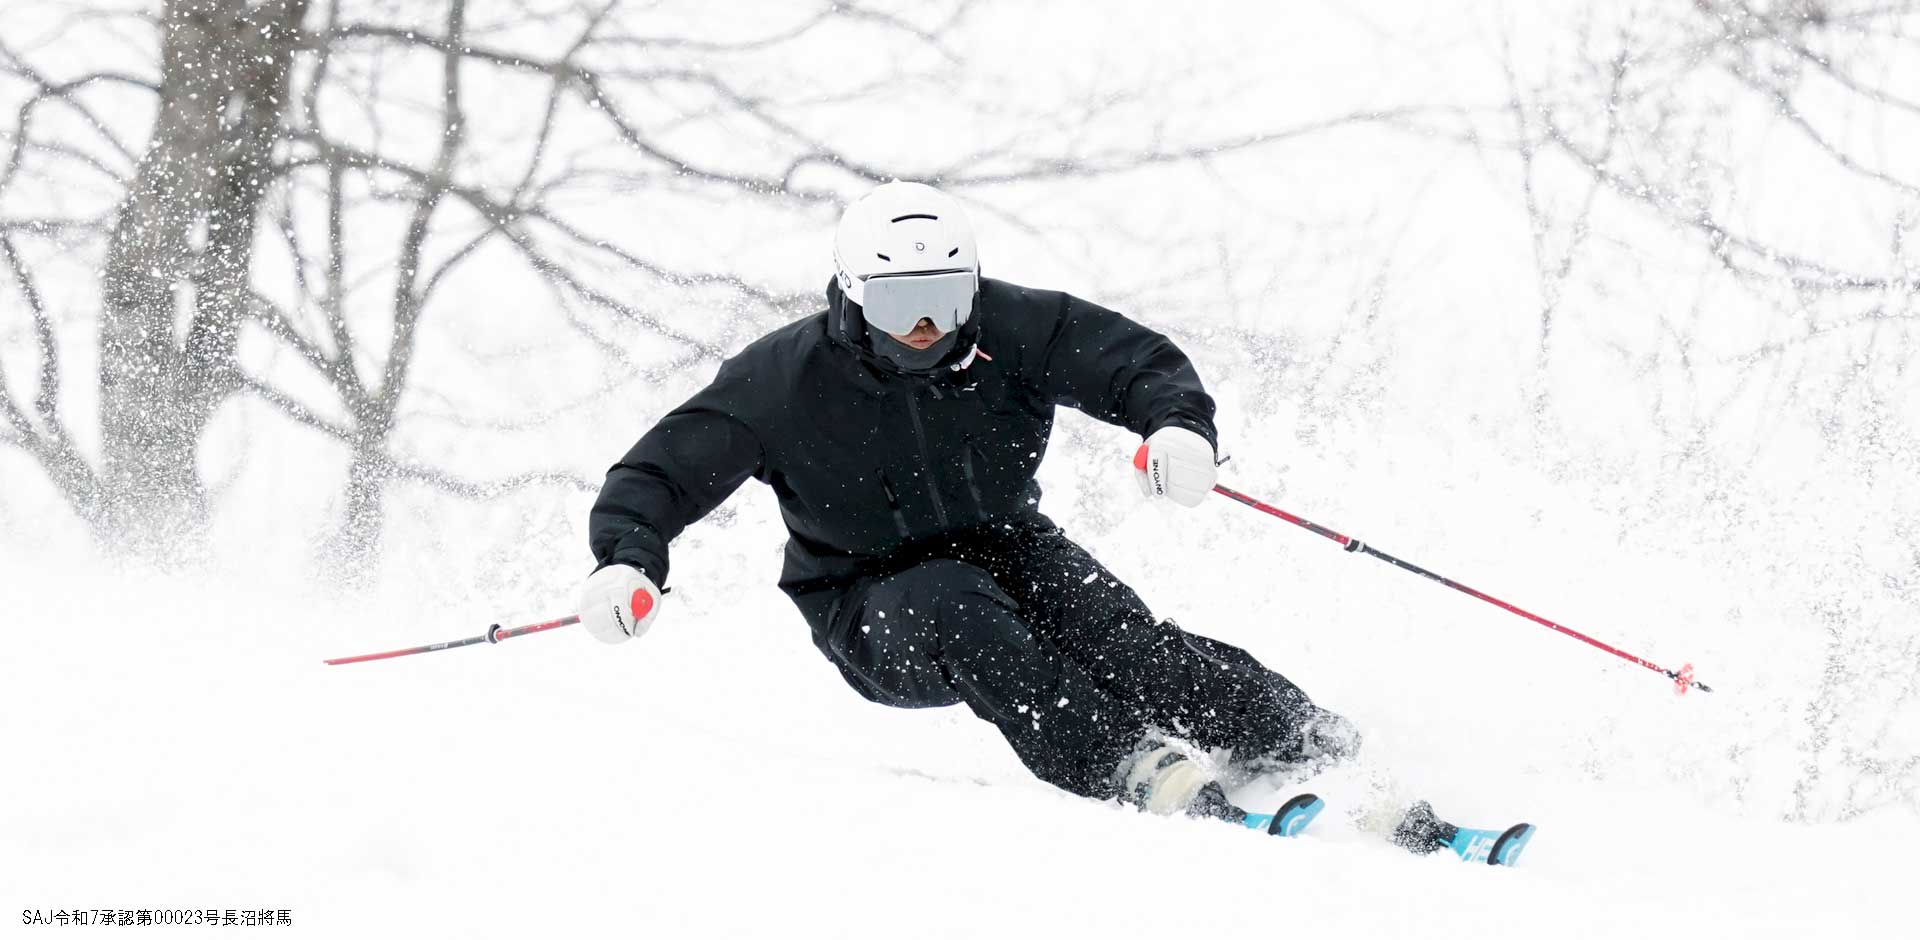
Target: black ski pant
(1034, 635)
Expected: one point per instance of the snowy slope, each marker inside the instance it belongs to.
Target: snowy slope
(715, 778)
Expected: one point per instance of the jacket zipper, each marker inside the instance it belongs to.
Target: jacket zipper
(966, 470)
(893, 504)
(926, 458)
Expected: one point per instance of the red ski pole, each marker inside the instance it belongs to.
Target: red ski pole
(494, 634)
(1682, 679)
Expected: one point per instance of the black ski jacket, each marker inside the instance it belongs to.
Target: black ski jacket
(871, 465)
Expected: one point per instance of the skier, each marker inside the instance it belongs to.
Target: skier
(900, 430)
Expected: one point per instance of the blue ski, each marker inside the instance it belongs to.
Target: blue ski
(1291, 819)
(1492, 846)
(1422, 833)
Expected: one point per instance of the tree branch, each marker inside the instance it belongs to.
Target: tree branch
(292, 408)
(52, 447)
(289, 233)
(507, 219)
(1124, 161)
(757, 44)
(556, 93)
(591, 88)
(54, 228)
(1783, 106)
(335, 307)
(490, 489)
(46, 401)
(407, 301)
(334, 368)
(61, 92)
(1720, 239)
(1826, 66)
(453, 261)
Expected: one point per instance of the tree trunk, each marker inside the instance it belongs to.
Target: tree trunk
(355, 546)
(181, 249)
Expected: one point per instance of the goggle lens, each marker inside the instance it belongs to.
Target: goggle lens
(896, 302)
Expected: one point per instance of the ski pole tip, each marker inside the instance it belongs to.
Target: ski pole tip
(1684, 680)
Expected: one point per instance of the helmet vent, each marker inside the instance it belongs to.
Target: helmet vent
(955, 251)
(881, 256)
(918, 215)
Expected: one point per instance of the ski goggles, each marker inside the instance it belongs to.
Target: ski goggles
(896, 302)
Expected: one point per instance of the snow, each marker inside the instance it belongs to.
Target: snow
(714, 779)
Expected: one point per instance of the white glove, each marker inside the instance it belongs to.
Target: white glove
(1175, 463)
(618, 603)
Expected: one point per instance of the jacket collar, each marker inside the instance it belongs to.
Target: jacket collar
(875, 374)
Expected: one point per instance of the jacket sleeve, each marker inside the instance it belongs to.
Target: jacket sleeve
(679, 471)
(1121, 372)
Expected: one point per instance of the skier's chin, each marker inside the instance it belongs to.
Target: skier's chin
(918, 340)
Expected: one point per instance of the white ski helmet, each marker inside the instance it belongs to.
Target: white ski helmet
(919, 235)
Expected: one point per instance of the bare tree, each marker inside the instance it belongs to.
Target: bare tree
(1660, 113)
(1769, 146)
(242, 141)
(321, 172)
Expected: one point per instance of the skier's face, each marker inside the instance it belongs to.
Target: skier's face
(922, 335)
